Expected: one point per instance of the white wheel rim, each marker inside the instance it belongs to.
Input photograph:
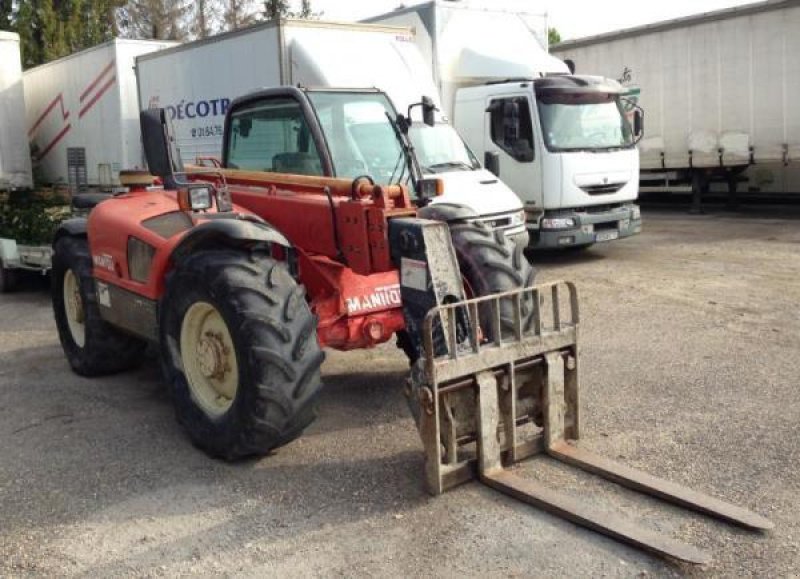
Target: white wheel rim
(209, 358)
(73, 307)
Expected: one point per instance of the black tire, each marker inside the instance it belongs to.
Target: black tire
(105, 350)
(277, 354)
(490, 264)
(8, 280)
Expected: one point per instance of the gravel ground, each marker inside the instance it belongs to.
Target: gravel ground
(690, 350)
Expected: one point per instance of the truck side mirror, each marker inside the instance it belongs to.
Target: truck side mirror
(428, 111)
(638, 124)
(158, 146)
(491, 160)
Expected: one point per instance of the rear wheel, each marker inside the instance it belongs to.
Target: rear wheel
(240, 351)
(92, 346)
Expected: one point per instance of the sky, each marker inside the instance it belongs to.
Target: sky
(573, 18)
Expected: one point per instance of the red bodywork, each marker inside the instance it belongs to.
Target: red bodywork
(352, 286)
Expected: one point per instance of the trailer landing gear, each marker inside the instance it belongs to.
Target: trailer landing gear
(487, 405)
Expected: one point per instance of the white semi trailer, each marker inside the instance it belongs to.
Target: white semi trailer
(15, 163)
(562, 142)
(720, 92)
(83, 115)
(195, 83)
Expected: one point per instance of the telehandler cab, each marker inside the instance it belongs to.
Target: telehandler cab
(306, 236)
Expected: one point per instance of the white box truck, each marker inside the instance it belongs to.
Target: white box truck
(83, 115)
(195, 82)
(561, 142)
(15, 163)
(719, 90)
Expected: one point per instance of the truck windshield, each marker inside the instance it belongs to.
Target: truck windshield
(588, 122)
(440, 149)
(360, 137)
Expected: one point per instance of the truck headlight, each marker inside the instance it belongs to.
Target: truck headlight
(558, 223)
(517, 219)
(636, 212)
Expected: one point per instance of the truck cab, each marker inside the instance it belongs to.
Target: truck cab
(565, 145)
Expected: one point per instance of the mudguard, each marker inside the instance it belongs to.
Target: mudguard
(230, 232)
(76, 227)
(446, 212)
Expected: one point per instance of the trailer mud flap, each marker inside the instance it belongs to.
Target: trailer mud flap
(485, 405)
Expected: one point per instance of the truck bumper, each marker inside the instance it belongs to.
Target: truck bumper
(588, 228)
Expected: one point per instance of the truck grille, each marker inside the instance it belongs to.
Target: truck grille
(609, 189)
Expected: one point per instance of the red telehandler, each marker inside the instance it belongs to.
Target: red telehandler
(317, 229)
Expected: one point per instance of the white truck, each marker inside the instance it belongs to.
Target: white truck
(720, 91)
(562, 142)
(83, 115)
(15, 164)
(195, 83)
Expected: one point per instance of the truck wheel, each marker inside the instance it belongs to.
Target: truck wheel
(8, 280)
(240, 351)
(490, 264)
(92, 347)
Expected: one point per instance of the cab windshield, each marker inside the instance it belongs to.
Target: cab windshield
(584, 122)
(440, 149)
(360, 137)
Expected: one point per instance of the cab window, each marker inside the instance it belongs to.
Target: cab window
(273, 135)
(512, 127)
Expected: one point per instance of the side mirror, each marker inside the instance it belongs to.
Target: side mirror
(158, 147)
(491, 161)
(428, 111)
(638, 124)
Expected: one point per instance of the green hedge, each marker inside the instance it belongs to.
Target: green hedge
(32, 219)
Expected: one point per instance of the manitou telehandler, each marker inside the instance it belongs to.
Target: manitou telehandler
(241, 277)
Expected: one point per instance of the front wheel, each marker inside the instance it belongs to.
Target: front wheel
(490, 263)
(240, 352)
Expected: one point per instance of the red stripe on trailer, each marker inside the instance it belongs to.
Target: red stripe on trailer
(97, 96)
(54, 142)
(96, 81)
(50, 107)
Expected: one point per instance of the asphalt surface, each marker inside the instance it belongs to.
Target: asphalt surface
(690, 356)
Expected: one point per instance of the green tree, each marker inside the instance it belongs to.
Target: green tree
(156, 19)
(238, 14)
(275, 9)
(553, 36)
(6, 15)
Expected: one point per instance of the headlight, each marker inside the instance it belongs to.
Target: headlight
(200, 198)
(517, 219)
(636, 212)
(558, 223)
(196, 198)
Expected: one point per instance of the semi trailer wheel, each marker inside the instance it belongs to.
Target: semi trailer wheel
(8, 280)
(92, 347)
(490, 264)
(240, 352)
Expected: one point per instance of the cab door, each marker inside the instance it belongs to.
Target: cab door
(510, 133)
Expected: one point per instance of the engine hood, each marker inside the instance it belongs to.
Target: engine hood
(480, 191)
